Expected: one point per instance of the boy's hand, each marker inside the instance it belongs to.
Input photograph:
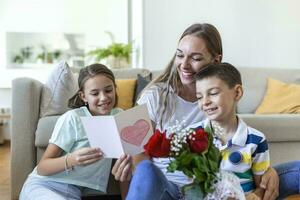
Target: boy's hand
(84, 156)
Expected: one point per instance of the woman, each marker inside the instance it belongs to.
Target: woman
(171, 97)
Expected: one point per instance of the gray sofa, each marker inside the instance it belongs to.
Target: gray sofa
(30, 133)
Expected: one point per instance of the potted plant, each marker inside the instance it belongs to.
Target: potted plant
(117, 55)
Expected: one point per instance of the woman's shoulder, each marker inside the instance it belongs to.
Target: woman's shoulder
(155, 89)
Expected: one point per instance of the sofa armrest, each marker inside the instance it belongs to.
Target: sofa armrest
(26, 93)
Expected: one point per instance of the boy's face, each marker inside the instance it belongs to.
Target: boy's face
(216, 99)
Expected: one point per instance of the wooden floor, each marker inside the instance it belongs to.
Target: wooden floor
(5, 171)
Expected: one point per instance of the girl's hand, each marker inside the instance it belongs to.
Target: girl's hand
(270, 182)
(122, 169)
(84, 156)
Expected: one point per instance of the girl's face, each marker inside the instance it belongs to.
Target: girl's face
(99, 93)
(216, 99)
(191, 55)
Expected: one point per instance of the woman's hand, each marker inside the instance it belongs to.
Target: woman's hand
(122, 169)
(270, 182)
(84, 156)
(252, 196)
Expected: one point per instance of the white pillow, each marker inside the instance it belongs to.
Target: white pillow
(60, 86)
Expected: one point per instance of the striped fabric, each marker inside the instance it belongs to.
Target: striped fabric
(246, 154)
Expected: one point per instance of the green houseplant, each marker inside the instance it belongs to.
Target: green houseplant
(117, 55)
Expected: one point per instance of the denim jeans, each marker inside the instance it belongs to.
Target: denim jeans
(289, 177)
(36, 188)
(148, 183)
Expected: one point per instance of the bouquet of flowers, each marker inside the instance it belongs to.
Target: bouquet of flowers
(194, 154)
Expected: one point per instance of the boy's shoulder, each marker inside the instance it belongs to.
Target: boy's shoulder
(253, 131)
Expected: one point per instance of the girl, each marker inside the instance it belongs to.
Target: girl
(69, 163)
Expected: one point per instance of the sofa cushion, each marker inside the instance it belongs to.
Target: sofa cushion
(277, 128)
(44, 130)
(142, 82)
(280, 98)
(255, 84)
(125, 91)
(60, 86)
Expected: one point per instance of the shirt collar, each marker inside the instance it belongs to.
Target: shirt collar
(240, 135)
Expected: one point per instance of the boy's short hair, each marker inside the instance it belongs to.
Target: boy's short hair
(224, 71)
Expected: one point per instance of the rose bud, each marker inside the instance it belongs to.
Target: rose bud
(198, 142)
(158, 145)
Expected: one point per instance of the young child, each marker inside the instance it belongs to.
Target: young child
(244, 149)
(69, 163)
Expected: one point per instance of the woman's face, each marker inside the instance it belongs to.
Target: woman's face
(191, 55)
(99, 92)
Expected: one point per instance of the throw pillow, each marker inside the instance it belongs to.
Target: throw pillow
(280, 98)
(125, 91)
(60, 86)
(142, 82)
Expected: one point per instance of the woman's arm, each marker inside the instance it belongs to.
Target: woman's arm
(52, 162)
(258, 190)
(270, 182)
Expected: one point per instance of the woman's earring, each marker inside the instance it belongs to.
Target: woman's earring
(85, 103)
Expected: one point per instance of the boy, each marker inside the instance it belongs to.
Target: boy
(244, 150)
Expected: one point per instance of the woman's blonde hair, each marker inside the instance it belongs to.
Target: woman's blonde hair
(210, 35)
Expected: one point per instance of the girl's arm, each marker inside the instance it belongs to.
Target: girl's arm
(53, 162)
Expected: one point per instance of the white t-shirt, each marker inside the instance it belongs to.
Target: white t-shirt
(69, 135)
(185, 111)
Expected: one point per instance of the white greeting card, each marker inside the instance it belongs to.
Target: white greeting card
(126, 132)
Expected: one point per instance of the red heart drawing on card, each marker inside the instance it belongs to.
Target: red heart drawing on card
(136, 133)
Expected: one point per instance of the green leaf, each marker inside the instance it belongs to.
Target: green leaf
(115, 49)
(185, 158)
(200, 176)
(201, 163)
(214, 166)
(172, 166)
(187, 172)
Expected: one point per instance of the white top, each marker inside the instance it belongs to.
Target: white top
(69, 135)
(185, 111)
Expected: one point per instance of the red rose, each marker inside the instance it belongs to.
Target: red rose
(158, 145)
(198, 141)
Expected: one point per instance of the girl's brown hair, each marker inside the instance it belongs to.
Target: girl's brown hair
(85, 74)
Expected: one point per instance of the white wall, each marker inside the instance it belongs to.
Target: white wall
(255, 33)
(91, 18)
